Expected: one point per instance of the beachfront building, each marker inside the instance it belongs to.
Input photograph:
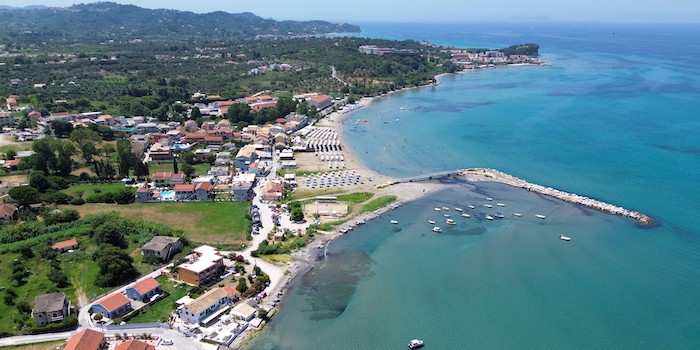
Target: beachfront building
(162, 247)
(208, 306)
(87, 339)
(204, 266)
(113, 305)
(144, 290)
(244, 312)
(48, 308)
(321, 102)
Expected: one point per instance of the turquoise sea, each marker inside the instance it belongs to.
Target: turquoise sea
(616, 117)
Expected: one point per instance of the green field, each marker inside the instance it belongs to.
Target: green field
(357, 197)
(89, 190)
(377, 203)
(223, 224)
(201, 169)
(160, 311)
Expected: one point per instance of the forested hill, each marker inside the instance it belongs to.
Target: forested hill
(107, 20)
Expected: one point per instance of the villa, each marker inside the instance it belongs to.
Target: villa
(208, 306)
(144, 290)
(113, 305)
(205, 265)
(86, 339)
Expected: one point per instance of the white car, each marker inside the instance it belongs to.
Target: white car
(166, 341)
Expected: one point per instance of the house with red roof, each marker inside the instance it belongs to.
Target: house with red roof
(87, 339)
(11, 164)
(8, 212)
(144, 194)
(184, 191)
(195, 137)
(321, 102)
(167, 179)
(113, 305)
(134, 344)
(214, 140)
(203, 191)
(64, 246)
(144, 289)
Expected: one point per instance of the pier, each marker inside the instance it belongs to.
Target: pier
(484, 174)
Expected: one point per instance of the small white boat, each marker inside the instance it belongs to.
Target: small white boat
(402, 108)
(466, 215)
(488, 205)
(540, 216)
(397, 120)
(471, 206)
(498, 215)
(489, 198)
(415, 344)
(394, 222)
(445, 208)
(437, 209)
(500, 204)
(437, 229)
(565, 238)
(431, 222)
(489, 217)
(446, 215)
(517, 214)
(458, 209)
(450, 222)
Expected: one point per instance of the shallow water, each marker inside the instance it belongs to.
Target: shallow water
(614, 118)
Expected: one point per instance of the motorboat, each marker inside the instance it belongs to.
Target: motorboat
(471, 206)
(394, 222)
(458, 209)
(489, 198)
(450, 222)
(540, 216)
(500, 204)
(489, 217)
(564, 238)
(498, 215)
(415, 344)
(445, 208)
(446, 215)
(437, 209)
(437, 229)
(488, 205)
(466, 215)
(517, 214)
(431, 222)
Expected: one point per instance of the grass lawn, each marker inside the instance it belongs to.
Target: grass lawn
(161, 310)
(357, 197)
(52, 345)
(17, 146)
(200, 169)
(84, 273)
(224, 224)
(302, 194)
(377, 203)
(282, 258)
(89, 189)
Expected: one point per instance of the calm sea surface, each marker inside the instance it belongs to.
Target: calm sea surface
(616, 117)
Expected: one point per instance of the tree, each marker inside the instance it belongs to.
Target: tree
(61, 129)
(113, 233)
(242, 285)
(196, 113)
(124, 157)
(39, 181)
(189, 157)
(141, 170)
(86, 140)
(297, 214)
(25, 195)
(175, 170)
(188, 170)
(10, 154)
(116, 267)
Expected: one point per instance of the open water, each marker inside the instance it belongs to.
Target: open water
(616, 117)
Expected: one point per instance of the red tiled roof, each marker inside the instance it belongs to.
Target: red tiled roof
(162, 175)
(113, 301)
(11, 163)
(321, 98)
(65, 244)
(86, 339)
(205, 186)
(210, 138)
(146, 285)
(195, 135)
(184, 188)
(143, 190)
(232, 292)
(134, 345)
(8, 209)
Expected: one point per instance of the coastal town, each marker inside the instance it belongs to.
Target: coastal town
(184, 230)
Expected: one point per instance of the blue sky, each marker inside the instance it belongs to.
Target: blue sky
(673, 11)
